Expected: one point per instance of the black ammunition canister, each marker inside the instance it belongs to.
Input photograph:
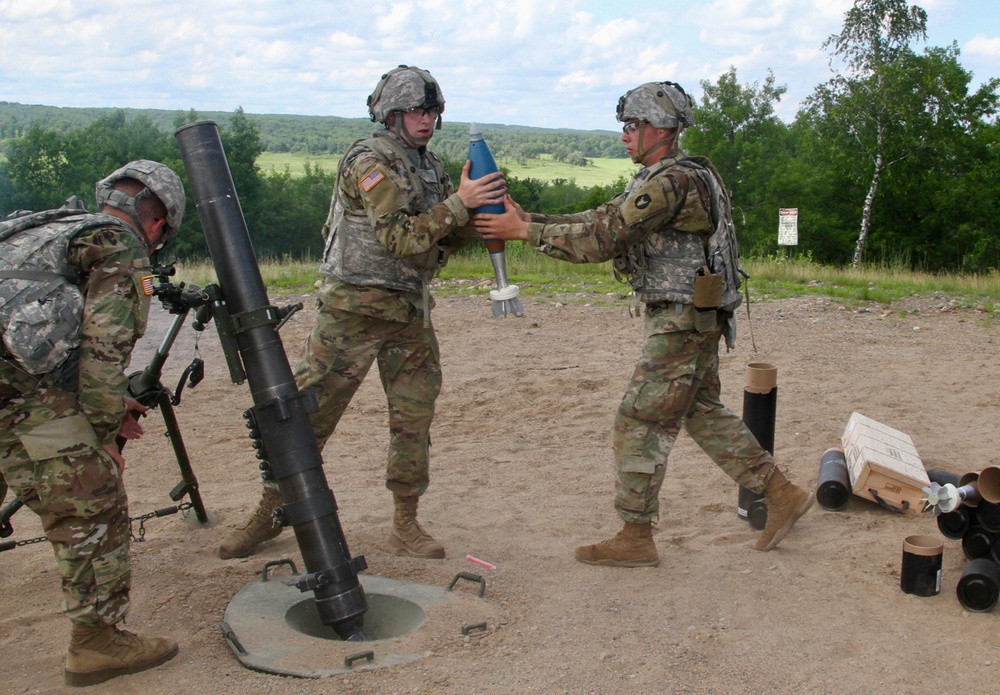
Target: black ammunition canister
(833, 488)
(760, 405)
(979, 587)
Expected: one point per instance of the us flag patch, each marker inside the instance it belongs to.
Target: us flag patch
(373, 179)
(147, 285)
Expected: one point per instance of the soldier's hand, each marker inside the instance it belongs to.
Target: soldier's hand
(116, 455)
(488, 190)
(130, 427)
(512, 225)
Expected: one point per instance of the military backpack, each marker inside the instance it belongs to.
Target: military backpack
(41, 303)
(721, 248)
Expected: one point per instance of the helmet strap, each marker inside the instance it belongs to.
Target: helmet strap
(399, 128)
(642, 151)
(130, 206)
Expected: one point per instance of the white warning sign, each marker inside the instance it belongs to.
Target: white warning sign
(788, 226)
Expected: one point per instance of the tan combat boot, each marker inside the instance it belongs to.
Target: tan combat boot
(407, 538)
(97, 654)
(259, 527)
(785, 504)
(631, 547)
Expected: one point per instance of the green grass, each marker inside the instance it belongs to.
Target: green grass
(294, 162)
(778, 278)
(601, 171)
(536, 275)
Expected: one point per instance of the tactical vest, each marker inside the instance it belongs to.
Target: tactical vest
(663, 267)
(352, 254)
(41, 304)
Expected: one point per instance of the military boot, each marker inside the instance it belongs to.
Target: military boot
(97, 654)
(631, 547)
(785, 504)
(407, 538)
(260, 526)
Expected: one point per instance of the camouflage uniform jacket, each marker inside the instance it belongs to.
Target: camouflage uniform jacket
(656, 228)
(110, 262)
(393, 220)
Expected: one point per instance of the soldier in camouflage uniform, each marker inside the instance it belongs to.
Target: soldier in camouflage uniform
(655, 231)
(58, 428)
(394, 219)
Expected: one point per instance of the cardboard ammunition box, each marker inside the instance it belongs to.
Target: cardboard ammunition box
(883, 465)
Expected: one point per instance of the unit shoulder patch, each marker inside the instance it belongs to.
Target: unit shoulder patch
(648, 201)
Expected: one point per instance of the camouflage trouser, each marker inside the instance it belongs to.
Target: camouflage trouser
(52, 460)
(676, 383)
(336, 358)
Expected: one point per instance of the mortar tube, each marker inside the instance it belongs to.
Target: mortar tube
(989, 484)
(760, 400)
(281, 410)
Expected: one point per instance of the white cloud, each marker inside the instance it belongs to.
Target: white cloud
(985, 46)
(395, 20)
(524, 61)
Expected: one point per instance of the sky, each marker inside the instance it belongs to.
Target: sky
(545, 63)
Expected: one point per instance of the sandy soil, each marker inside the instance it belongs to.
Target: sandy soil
(521, 474)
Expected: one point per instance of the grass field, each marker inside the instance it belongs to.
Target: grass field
(601, 172)
(770, 278)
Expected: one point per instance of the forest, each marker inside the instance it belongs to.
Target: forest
(893, 160)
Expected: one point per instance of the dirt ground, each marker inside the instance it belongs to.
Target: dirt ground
(522, 473)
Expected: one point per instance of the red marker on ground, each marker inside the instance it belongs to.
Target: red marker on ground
(481, 563)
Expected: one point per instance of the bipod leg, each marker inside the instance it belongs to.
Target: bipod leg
(189, 483)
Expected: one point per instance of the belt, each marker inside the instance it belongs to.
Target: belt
(663, 306)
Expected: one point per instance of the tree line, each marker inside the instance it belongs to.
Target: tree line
(893, 160)
(284, 213)
(329, 135)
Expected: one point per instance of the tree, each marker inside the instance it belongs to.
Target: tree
(36, 165)
(865, 102)
(242, 143)
(292, 214)
(941, 204)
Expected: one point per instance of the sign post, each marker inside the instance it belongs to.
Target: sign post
(788, 228)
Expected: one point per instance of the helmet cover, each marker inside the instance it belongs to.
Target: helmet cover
(404, 88)
(661, 104)
(159, 179)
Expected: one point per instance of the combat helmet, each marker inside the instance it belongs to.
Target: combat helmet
(661, 104)
(404, 88)
(160, 181)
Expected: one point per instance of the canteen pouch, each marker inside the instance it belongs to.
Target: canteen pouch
(707, 299)
(707, 289)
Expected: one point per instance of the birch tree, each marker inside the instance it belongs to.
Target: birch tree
(863, 99)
